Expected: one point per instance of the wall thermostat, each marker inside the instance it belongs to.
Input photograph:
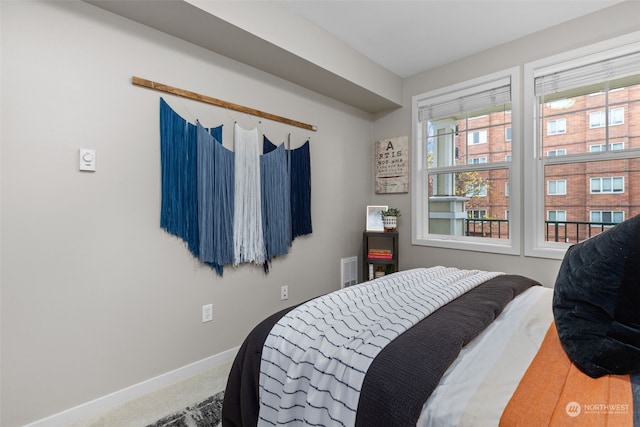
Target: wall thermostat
(87, 160)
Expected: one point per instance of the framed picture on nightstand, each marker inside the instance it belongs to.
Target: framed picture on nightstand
(374, 218)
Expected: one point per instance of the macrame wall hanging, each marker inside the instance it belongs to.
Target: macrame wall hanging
(231, 207)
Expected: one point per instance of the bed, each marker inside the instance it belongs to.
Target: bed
(442, 346)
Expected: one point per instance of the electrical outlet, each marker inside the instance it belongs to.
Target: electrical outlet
(284, 293)
(207, 313)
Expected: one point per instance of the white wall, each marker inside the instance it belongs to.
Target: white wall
(608, 23)
(95, 296)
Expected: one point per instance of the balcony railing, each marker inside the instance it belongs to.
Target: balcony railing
(491, 228)
(556, 231)
(574, 231)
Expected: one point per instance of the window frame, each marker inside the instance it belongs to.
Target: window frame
(601, 119)
(419, 171)
(602, 180)
(507, 132)
(480, 160)
(478, 190)
(556, 181)
(557, 152)
(602, 147)
(534, 182)
(556, 132)
(592, 211)
(477, 211)
(556, 211)
(482, 136)
(601, 123)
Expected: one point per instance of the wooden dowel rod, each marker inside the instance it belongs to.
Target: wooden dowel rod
(218, 102)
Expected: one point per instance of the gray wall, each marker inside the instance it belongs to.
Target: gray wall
(611, 22)
(95, 296)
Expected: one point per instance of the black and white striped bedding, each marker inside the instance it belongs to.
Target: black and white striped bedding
(376, 353)
(316, 357)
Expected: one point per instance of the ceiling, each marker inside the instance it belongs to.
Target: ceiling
(354, 51)
(393, 33)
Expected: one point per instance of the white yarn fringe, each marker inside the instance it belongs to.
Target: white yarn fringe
(248, 238)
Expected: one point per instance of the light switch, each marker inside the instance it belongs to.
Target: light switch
(87, 160)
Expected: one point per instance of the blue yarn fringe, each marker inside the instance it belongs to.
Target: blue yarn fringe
(276, 206)
(178, 214)
(215, 200)
(299, 160)
(179, 178)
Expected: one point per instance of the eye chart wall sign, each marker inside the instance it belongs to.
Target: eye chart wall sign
(392, 165)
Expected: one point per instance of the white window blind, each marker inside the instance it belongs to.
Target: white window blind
(548, 81)
(490, 94)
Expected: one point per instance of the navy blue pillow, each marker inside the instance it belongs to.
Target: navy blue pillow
(596, 302)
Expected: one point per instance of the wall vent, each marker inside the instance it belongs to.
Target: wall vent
(348, 271)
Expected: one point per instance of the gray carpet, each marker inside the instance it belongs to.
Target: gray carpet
(207, 413)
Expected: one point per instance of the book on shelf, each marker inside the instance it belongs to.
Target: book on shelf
(380, 254)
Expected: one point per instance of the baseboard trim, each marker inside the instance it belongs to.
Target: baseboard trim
(113, 400)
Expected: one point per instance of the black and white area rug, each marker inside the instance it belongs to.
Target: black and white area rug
(207, 413)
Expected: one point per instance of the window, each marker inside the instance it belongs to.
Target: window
(557, 216)
(616, 117)
(555, 127)
(476, 189)
(606, 217)
(460, 168)
(607, 185)
(476, 160)
(477, 214)
(556, 187)
(602, 147)
(597, 118)
(586, 102)
(558, 152)
(477, 137)
(507, 188)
